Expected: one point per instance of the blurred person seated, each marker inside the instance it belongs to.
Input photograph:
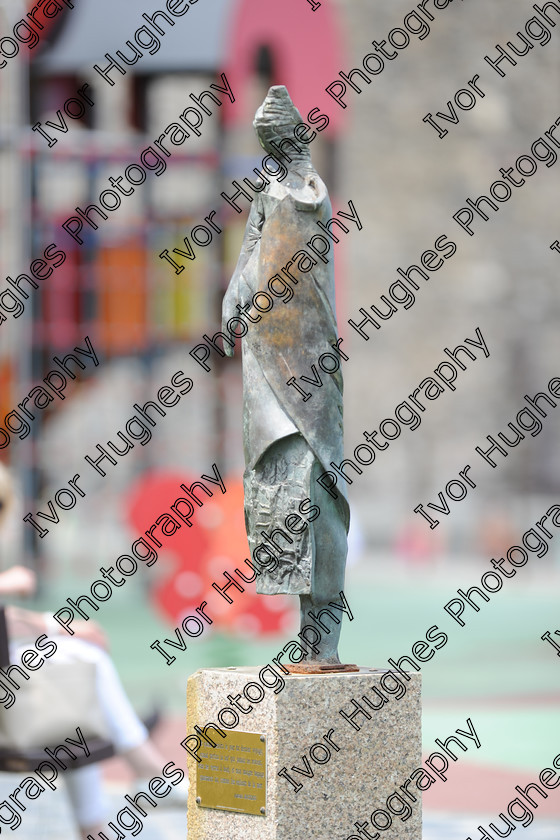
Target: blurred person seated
(127, 733)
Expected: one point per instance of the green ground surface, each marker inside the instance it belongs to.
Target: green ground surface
(495, 670)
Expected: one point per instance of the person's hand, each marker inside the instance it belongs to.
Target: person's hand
(18, 580)
(91, 632)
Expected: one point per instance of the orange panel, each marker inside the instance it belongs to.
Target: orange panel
(122, 297)
(6, 387)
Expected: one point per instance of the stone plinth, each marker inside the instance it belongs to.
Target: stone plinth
(347, 786)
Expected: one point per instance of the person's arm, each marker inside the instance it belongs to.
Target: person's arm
(26, 624)
(234, 293)
(18, 580)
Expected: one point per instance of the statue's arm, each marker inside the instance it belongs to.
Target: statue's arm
(239, 288)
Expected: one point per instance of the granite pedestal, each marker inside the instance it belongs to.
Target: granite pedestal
(345, 777)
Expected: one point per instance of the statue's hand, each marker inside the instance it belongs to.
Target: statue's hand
(228, 311)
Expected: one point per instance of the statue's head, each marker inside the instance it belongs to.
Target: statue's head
(275, 120)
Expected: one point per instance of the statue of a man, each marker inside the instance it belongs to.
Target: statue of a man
(290, 438)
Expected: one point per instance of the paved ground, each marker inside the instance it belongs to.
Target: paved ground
(50, 819)
(445, 827)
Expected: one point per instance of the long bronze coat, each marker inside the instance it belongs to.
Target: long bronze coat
(288, 441)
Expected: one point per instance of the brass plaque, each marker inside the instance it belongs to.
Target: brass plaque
(232, 775)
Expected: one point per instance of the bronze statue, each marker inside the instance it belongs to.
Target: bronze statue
(290, 440)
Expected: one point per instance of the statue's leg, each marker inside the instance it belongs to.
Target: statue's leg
(329, 551)
(328, 645)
